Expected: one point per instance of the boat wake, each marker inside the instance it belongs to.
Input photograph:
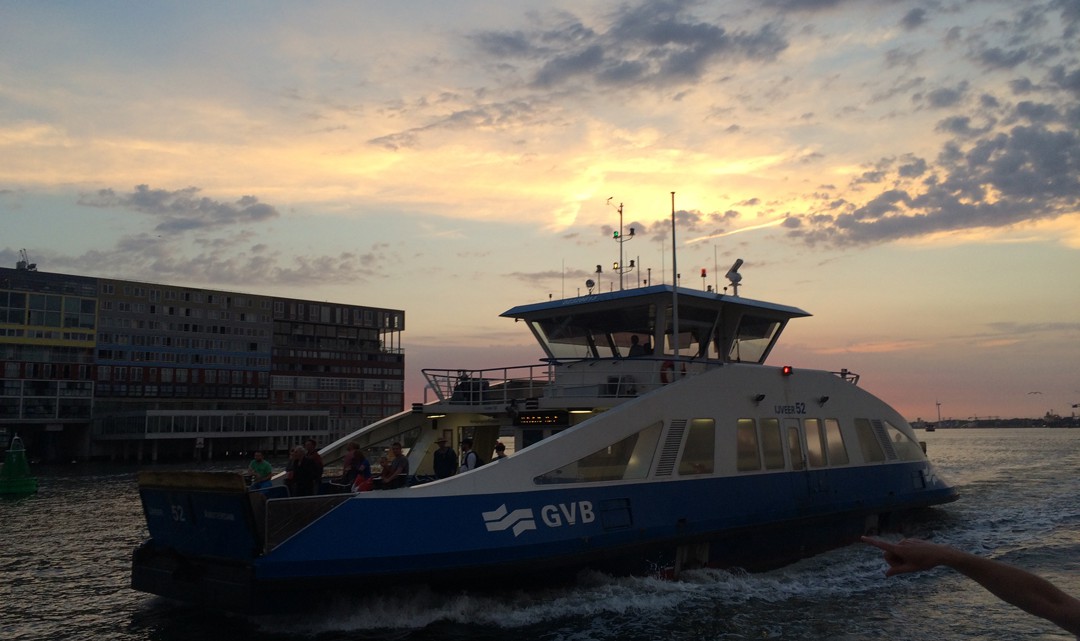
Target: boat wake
(595, 606)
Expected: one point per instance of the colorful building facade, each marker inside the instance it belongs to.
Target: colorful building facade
(106, 368)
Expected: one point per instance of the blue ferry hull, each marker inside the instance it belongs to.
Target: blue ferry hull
(546, 535)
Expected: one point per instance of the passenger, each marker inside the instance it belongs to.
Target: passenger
(470, 460)
(444, 459)
(292, 469)
(363, 481)
(261, 471)
(398, 470)
(500, 451)
(636, 349)
(1029, 592)
(309, 473)
(350, 464)
(384, 471)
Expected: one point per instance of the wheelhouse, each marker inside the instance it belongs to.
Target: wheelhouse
(668, 323)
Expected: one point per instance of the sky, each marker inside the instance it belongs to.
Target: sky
(907, 171)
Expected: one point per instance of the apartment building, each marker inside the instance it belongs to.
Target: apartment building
(119, 369)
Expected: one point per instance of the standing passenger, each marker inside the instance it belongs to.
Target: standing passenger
(350, 463)
(500, 451)
(469, 459)
(444, 460)
(261, 471)
(292, 470)
(309, 473)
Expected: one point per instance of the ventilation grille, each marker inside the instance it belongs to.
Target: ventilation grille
(671, 448)
(883, 436)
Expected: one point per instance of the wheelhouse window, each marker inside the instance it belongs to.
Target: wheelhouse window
(700, 448)
(629, 458)
(753, 338)
(602, 333)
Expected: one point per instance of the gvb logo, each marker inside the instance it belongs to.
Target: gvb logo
(517, 521)
(523, 520)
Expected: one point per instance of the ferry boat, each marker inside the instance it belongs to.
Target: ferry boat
(651, 437)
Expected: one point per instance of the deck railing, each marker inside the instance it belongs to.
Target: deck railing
(488, 386)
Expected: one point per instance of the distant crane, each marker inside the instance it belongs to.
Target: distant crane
(24, 263)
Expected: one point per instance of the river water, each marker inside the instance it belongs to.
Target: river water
(65, 561)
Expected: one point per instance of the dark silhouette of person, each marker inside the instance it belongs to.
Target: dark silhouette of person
(444, 459)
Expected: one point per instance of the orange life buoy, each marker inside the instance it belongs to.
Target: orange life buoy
(667, 372)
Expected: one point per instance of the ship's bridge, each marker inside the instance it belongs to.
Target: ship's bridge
(643, 321)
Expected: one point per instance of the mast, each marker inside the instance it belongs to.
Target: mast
(675, 281)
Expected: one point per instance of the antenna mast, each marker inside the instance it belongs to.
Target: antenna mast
(675, 281)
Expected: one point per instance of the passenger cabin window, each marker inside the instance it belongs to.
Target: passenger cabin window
(795, 448)
(753, 338)
(815, 443)
(700, 448)
(906, 448)
(837, 449)
(772, 444)
(748, 459)
(868, 442)
(629, 458)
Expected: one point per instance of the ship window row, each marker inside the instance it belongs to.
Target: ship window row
(766, 444)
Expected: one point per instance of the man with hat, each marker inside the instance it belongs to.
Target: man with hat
(444, 459)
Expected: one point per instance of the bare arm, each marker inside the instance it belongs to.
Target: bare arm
(1031, 593)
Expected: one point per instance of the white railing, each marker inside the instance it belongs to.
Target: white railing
(488, 386)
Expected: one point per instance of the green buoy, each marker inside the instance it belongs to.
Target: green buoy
(15, 479)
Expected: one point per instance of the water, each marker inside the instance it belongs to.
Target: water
(65, 559)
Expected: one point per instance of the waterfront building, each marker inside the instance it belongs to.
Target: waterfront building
(120, 369)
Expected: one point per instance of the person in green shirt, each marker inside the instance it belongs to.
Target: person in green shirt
(261, 470)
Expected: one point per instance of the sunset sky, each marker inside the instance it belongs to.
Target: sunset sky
(906, 171)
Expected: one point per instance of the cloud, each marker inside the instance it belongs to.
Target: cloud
(648, 45)
(495, 116)
(182, 210)
(1001, 164)
(913, 19)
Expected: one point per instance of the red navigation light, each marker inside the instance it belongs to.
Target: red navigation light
(786, 370)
